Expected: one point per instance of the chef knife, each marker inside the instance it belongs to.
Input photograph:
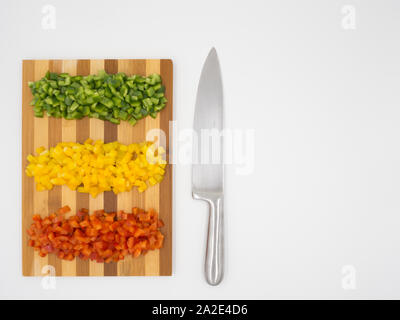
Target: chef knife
(207, 167)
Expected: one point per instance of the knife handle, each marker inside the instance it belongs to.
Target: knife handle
(214, 262)
(215, 250)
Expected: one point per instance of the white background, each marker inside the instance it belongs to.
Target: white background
(324, 104)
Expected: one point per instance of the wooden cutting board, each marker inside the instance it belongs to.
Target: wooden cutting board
(48, 132)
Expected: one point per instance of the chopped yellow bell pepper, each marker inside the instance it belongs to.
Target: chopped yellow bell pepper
(95, 167)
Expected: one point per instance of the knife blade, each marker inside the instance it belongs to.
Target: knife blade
(207, 167)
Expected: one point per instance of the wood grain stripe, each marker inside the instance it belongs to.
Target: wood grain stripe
(138, 199)
(68, 195)
(152, 194)
(110, 199)
(96, 133)
(41, 135)
(28, 74)
(128, 134)
(166, 211)
(82, 134)
(55, 136)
